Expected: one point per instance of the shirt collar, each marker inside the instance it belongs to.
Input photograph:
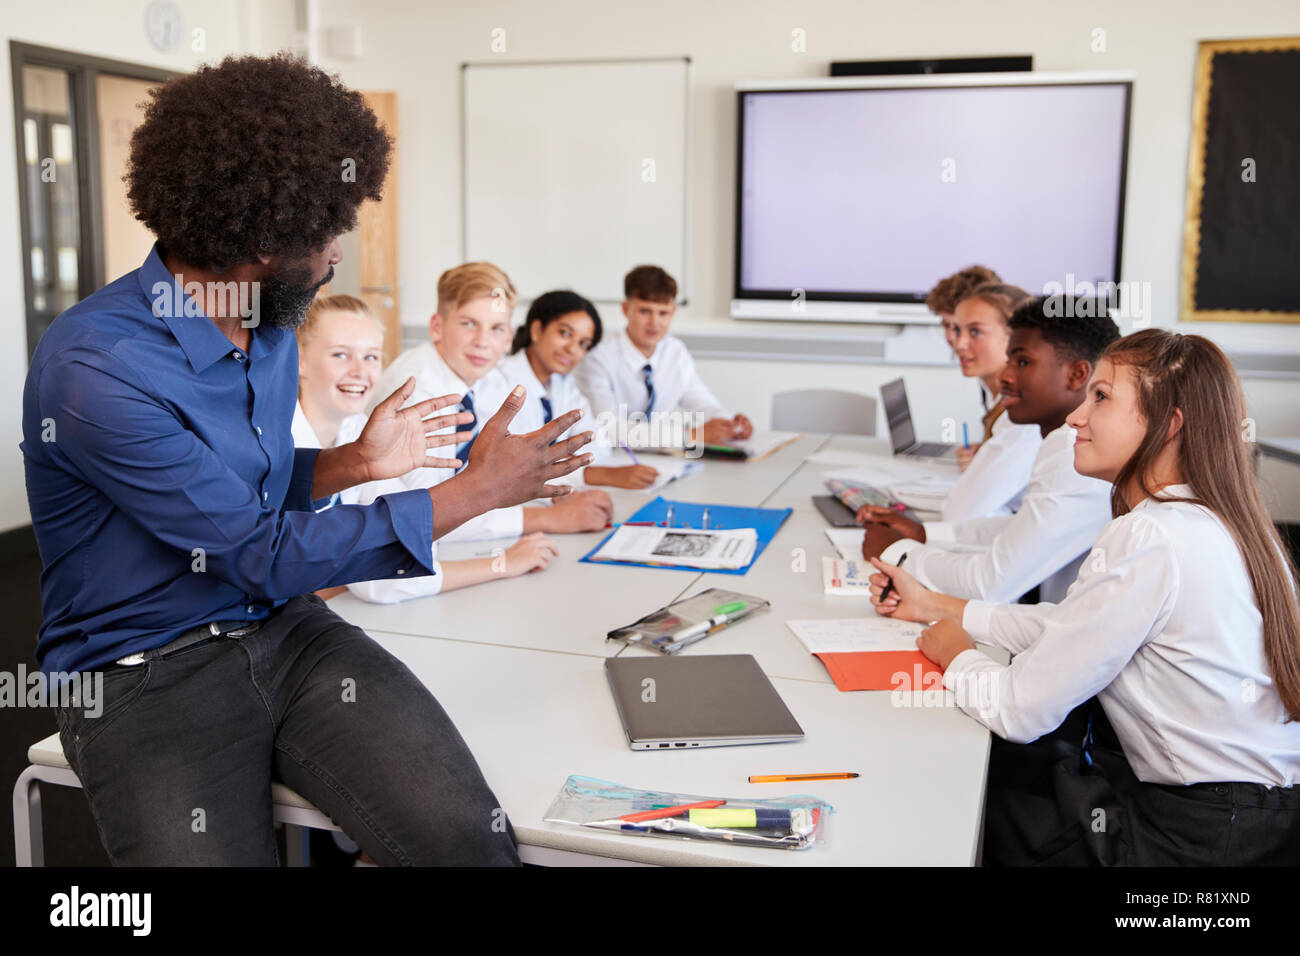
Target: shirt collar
(633, 356)
(199, 338)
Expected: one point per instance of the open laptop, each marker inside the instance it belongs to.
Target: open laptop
(902, 435)
(719, 700)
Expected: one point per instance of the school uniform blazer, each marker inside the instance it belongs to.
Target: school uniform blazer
(1162, 626)
(1002, 557)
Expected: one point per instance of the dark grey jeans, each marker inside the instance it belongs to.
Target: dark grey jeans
(178, 766)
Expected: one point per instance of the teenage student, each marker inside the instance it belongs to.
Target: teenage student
(644, 369)
(1054, 343)
(561, 327)
(942, 301)
(1183, 622)
(340, 357)
(469, 333)
(993, 481)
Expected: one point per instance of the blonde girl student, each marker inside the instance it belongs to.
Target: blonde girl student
(560, 328)
(996, 469)
(1183, 622)
(340, 358)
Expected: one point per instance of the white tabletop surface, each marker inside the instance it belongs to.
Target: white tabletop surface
(518, 665)
(532, 718)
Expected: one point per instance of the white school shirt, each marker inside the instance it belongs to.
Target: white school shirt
(379, 592)
(1000, 558)
(433, 377)
(612, 377)
(994, 482)
(1162, 626)
(564, 396)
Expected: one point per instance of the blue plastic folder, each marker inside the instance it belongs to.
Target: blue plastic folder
(765, 521)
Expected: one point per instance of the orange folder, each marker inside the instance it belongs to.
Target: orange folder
(883, 670)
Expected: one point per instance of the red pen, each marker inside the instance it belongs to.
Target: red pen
(641, 524)
(671, 811)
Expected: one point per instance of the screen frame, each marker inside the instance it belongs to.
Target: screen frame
(943, 81)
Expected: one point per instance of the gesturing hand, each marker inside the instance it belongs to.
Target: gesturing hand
(397, 440)
(511, 469)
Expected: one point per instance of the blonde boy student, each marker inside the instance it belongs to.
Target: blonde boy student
(469, 333)
(644, 370)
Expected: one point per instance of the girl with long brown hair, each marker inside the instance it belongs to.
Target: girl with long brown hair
(1183, 622)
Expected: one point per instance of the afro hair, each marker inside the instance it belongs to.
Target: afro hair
(257, 155)
(1077, 327)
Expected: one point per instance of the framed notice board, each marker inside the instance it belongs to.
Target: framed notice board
(1241, 236)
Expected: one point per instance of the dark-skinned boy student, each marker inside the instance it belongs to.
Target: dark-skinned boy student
(1054, 344)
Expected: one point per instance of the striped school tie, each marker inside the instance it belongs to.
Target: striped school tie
(467, 405)
(648, 372)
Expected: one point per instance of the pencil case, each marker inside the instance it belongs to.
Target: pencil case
(785, 823)
(691, 619)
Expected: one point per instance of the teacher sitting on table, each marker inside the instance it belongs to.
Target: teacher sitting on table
(175, 520)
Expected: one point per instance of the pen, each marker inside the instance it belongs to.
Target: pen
(721, 615)
(783, 777)
(635, 460)
(890, 586)
(965, 438)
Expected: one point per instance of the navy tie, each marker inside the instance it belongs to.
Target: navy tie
(648, 372)
(467, 405)
(546, 411)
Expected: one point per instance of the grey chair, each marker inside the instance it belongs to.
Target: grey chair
(824, 410)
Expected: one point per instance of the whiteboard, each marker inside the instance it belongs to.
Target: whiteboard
(574, 172)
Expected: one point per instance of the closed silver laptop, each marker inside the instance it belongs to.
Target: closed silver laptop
(676, 703)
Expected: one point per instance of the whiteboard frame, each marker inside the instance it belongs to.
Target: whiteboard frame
(686, 273)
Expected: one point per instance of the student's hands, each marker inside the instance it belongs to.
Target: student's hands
(743, 426)
(508, 469)
(396, 440)
(909, 599)
(722, 431)
(906, 527)
(581, 511)
(964, 456)
(943, 641)
(626, 476)
(532, 552)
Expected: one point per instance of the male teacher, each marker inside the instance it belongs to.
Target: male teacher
(175, 521)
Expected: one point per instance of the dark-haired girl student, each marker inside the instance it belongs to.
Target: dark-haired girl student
(560, 328)
(1183, 622)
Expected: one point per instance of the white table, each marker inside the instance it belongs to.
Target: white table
(519, 666)
(532, 718)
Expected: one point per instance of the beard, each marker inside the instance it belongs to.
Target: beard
(286, 296)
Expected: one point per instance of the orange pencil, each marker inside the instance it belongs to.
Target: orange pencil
(782, 777)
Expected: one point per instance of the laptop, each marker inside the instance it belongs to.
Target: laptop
(678, 703)
(902, 435)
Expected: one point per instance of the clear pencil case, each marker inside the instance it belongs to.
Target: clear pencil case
(681, 624)
(788, 823)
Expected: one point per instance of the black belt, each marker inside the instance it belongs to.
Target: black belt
(196, 635)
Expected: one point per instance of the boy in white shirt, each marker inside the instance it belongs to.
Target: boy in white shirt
(340, 358)
(644, 371)
(469, 333)
(1054, 344)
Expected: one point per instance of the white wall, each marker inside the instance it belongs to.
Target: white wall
(416, 49)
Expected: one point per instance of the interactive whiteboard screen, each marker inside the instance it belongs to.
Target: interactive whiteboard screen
(872, 195)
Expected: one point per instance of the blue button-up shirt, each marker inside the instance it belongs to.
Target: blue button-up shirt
(164, 487)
